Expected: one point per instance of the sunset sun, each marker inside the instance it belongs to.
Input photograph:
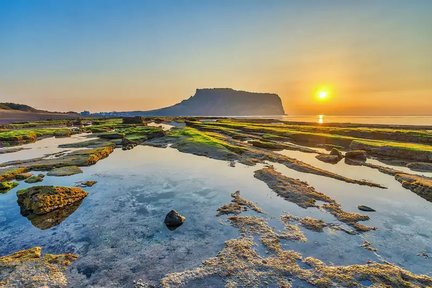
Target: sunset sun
(322, 94)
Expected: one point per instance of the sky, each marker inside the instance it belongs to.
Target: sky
(372, 57)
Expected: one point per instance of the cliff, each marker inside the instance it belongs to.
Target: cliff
(220, 102)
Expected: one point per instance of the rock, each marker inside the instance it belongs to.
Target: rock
(356, 155)
(336, 152)
(23, 176)
(173, 219)
(35, 179)
(89, 183)
(111, 135)
(29, 268)
(365, 208)
(6, 186)
(221, 102)
(333, 159)
(420, 166)
(65, 171)
(134, 120)
(420, 185)
(43, 199)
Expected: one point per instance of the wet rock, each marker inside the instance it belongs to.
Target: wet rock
(336, 152)
(43, 199)
(333, 159)
(35, 178)
(173, 219)
(5, 186)
(420, 166)
(420, 185)
(65, 171)
(238, 204)
(11, 173)
(356, 155)
(23, 176)
(29, 268)
(111, 136)
(88, 183)
(133, 120)
(365, 208)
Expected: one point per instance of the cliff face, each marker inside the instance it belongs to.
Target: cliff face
(223, 102)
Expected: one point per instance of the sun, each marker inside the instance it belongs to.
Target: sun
(322, 94)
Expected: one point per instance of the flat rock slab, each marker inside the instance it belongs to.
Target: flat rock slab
(65, 171)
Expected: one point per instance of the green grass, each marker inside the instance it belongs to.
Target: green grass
(399, 145)
(30, 135)
(211, 139)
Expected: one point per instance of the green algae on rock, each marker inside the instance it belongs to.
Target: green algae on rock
(65, 171)
(43, 199)
(35, 178)
(29, 268)
(10, 173)
(5, 186)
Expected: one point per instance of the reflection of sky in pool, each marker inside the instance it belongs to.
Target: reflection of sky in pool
(118, 230)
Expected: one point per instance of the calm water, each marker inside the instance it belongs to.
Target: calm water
(118, 229)
(388, 120)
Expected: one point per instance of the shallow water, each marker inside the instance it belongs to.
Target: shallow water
(386, 120)
(118, 229)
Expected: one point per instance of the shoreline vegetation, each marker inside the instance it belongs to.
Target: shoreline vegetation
(246, 141)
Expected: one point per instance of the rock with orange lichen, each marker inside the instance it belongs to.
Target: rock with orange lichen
(44, 199)
(29, 268)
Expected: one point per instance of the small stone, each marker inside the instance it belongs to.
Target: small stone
(337, 153)
(173, 219)
(365, 208)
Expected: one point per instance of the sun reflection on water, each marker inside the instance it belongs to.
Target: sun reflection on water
(320, 119)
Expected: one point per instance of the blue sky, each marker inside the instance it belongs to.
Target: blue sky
(120, 55)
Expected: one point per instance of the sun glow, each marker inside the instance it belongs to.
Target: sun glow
(322, 93)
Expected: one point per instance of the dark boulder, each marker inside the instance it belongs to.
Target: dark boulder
(365, 208)
(173, 219)
(356, 155)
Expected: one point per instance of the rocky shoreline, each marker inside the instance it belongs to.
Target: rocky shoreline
(249, 142)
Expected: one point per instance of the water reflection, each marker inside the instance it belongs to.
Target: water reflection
(51, 219)
(320, 119)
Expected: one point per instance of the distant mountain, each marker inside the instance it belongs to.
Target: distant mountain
(12, 112)
(19, 107)
(217, 102)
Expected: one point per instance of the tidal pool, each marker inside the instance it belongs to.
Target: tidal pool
(119, 234)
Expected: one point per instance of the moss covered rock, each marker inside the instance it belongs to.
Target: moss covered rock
(7, 185)
(43, 199)
(65, 171)
(35, 178)
(29, 268)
